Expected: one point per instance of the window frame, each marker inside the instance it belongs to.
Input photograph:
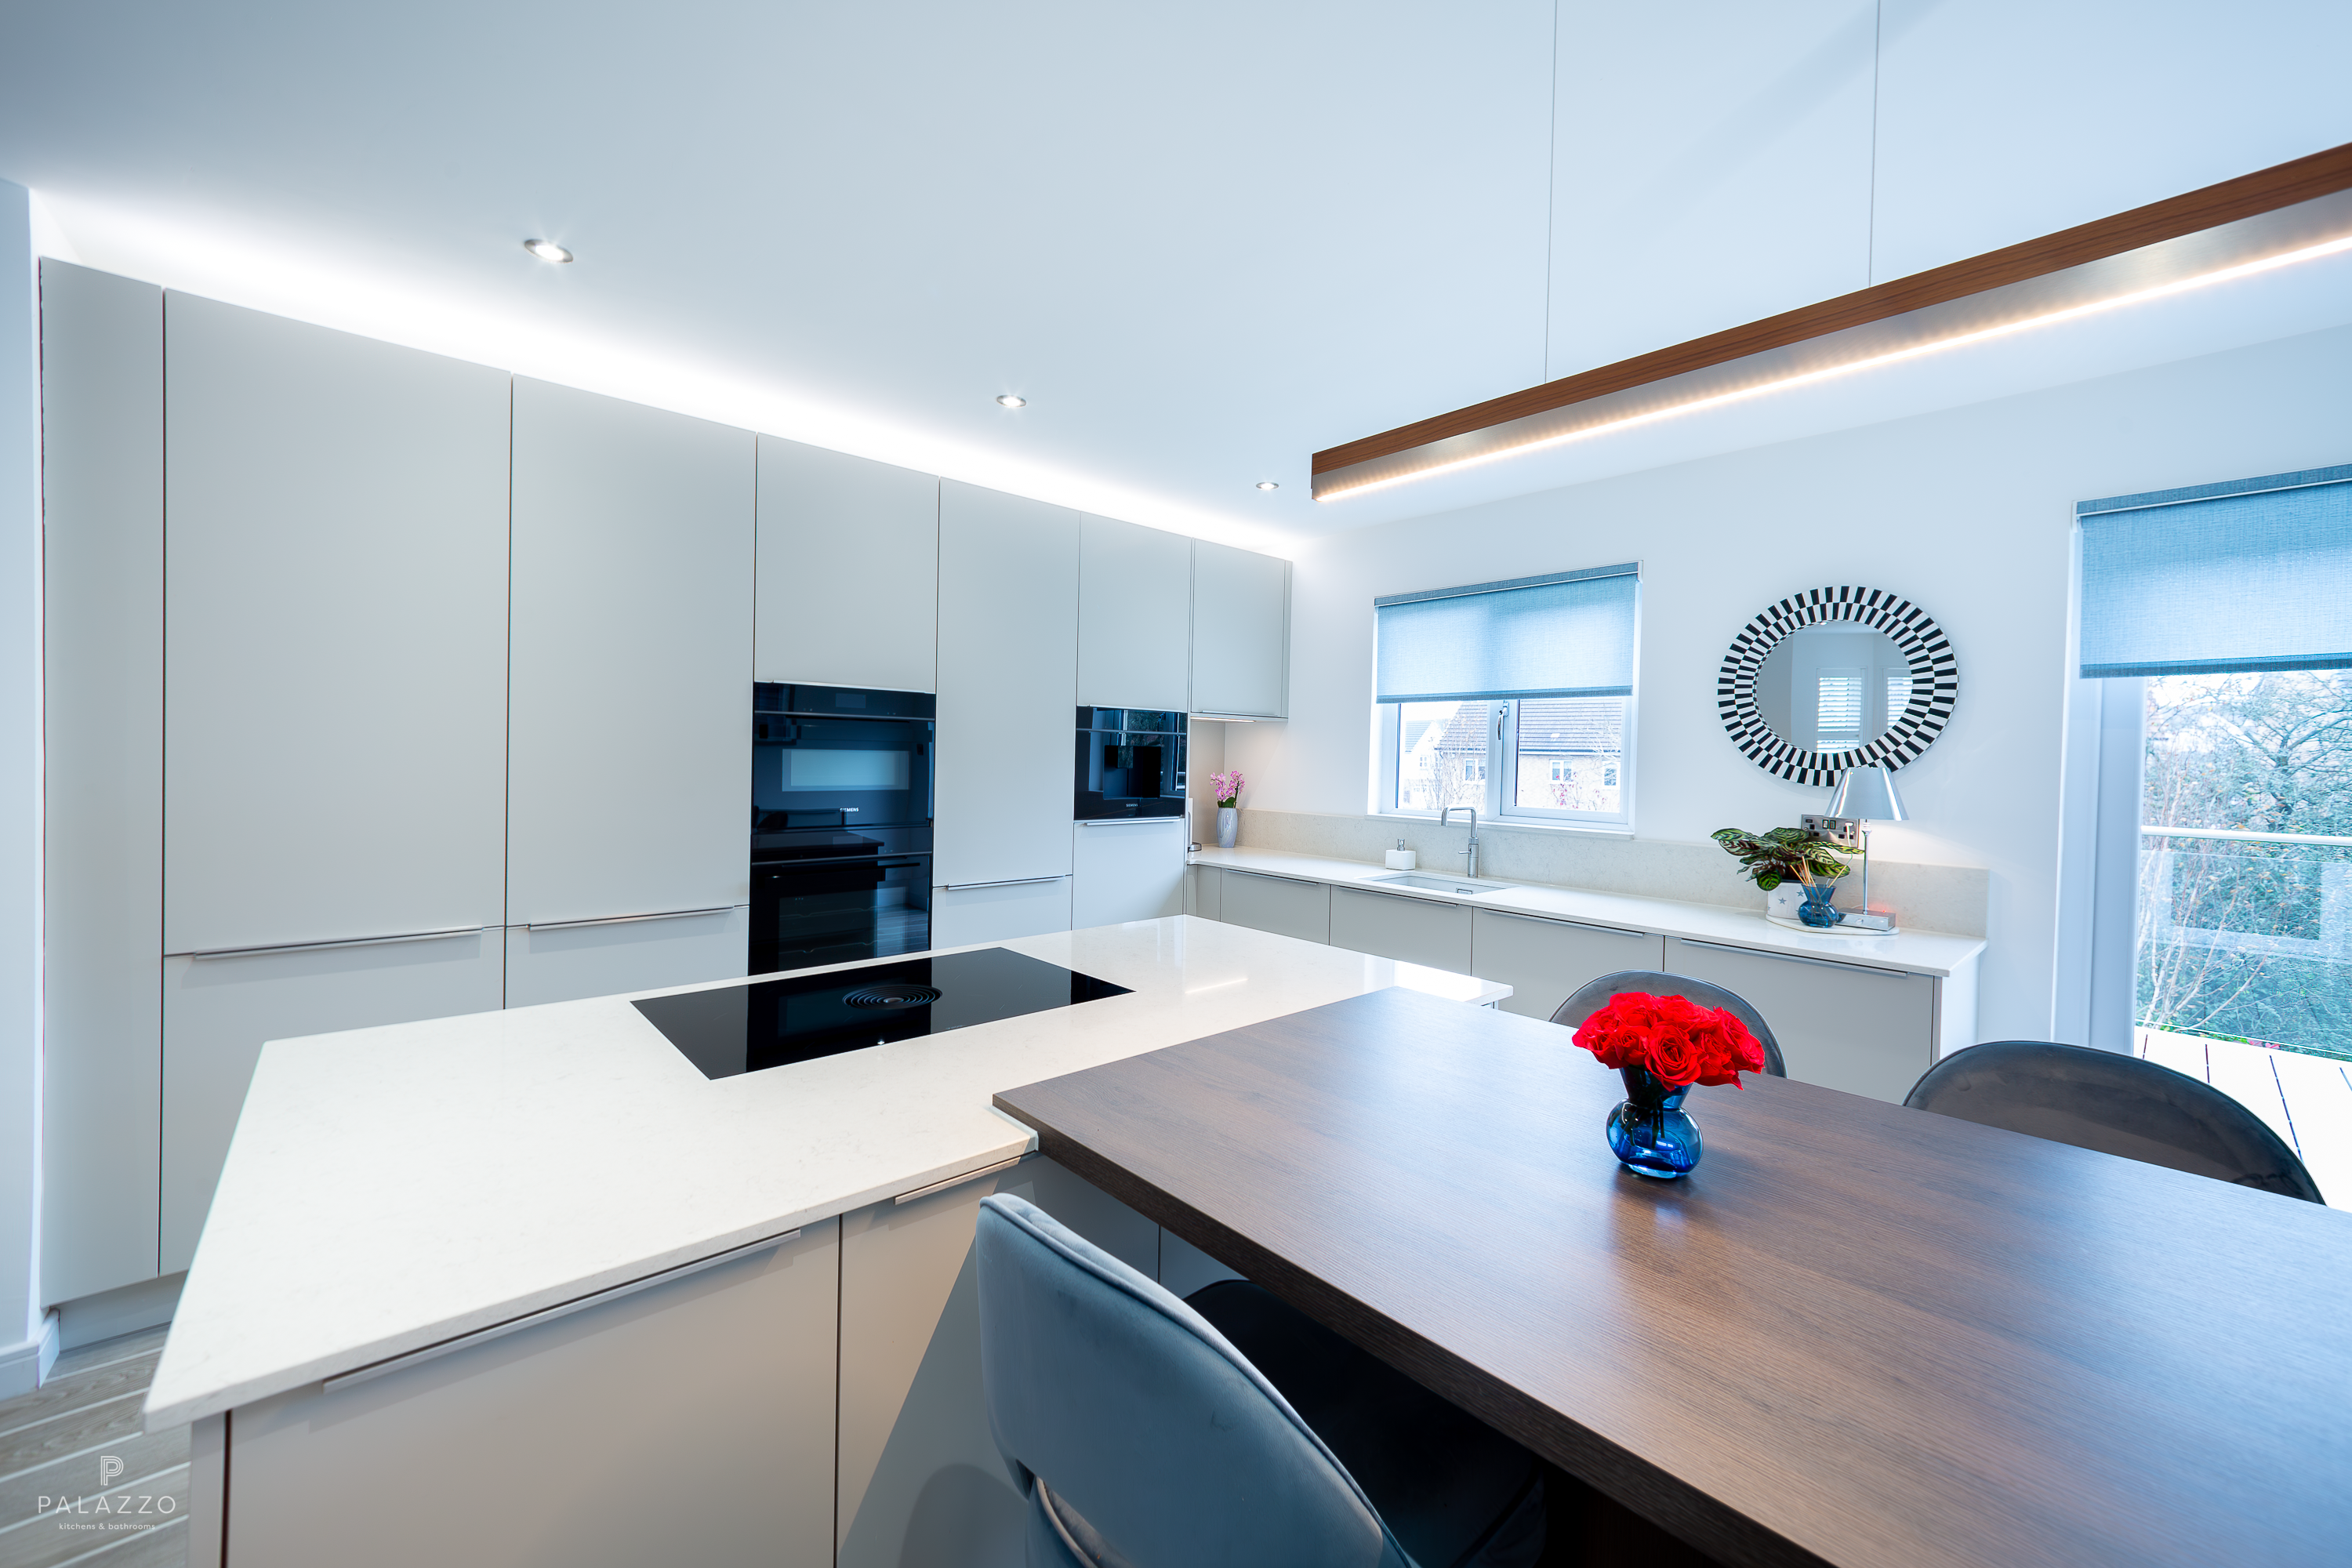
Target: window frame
(1502, 773)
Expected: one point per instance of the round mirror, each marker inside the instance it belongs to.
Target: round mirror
(1836, 679)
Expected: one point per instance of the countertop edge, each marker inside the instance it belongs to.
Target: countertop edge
(1335, 873)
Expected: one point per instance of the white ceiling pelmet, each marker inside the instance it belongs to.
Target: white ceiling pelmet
(1202, 245)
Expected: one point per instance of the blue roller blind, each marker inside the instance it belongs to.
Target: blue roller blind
(2252, 574)
(1567, 634)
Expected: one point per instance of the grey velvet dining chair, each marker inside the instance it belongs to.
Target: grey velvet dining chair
(2116, 1104)
(1142, 1436)
(1593, 996)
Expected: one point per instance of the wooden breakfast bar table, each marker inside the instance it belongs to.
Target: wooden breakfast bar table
(1857, 1334)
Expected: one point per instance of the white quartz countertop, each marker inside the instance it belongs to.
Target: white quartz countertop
(391, 1188)
(1913, 951)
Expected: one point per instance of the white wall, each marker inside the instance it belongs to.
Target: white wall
(20, 793)
(1969, 512)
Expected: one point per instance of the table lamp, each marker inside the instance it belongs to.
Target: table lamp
(1867, 795)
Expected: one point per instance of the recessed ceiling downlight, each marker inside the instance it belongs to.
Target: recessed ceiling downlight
(1267, 485)
(547, 250)
(1010, 400)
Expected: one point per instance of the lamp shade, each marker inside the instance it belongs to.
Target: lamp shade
(1867, 794)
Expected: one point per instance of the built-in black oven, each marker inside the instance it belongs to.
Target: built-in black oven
(841, 825)
(1130, 764)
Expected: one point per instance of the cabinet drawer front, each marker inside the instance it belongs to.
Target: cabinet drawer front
(1544, 961)
(1283, 905)
(1416, 930)
(1841, 1026)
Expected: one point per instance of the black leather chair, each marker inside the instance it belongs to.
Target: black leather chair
(2116, 1104)
(1591, 997)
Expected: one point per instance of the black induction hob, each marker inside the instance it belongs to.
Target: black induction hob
(799, 1018)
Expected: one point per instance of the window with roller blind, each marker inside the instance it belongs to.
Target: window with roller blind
(2220, 619)
(1516, 698)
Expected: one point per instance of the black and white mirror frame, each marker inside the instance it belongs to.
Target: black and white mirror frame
(1935, 683)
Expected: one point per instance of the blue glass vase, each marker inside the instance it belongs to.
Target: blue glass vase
(1817, 910)
(1650, 1131)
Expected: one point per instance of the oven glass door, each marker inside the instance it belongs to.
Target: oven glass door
(875, 772)
(806, 912)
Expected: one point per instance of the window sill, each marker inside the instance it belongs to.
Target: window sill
(1512, 825)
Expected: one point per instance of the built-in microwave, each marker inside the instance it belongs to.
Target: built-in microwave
(1130, 764)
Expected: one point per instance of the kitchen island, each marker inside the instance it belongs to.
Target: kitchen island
(528, 1286)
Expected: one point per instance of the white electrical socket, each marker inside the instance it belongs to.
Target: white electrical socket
(1845, 832)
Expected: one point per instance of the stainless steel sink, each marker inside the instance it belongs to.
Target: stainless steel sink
(1428, 883)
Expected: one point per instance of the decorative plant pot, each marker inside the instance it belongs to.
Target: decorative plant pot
(1783, 901)
(1229, 825)
(1817, 910)
(1650, 1132)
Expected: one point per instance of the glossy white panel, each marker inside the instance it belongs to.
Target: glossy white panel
(334, 691)
(102, 664)
(630, 781)
(848, 575)
(1126, 870)
(1008, 686)
(960, 916)
(1240, 631)
(568, 963)
(697, 1411)
(218, 1011)
(1135, 606)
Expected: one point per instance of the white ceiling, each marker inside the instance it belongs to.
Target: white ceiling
(1203, 241)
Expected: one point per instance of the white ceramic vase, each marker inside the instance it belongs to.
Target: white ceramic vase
(1229, 825)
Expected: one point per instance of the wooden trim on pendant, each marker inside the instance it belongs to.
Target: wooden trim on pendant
(2248, 196)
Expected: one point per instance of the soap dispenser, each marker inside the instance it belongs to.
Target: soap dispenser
(1402, 859)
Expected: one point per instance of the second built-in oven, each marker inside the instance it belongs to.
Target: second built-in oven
(841, 825)
(1130, 764)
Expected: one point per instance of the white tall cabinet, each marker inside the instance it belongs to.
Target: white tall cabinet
(1241, 632)
(1135, 607)
(848, 575)
(1008, 700)
(334, 707)
(102, 666)
(629, 779)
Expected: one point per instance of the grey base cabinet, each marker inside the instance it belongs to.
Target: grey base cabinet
(1841, 1026)
(1283, 905)
(1412, 930)
(691, 1421)
(921, 1481)
(1544, 961)
(218, 1011)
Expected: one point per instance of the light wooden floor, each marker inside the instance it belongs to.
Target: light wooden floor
(2307, 1101)
(50, 1444)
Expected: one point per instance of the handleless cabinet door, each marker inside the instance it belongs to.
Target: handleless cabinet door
(334, 661)
(1544, 962)
(103, 663)
(849, 569)
(1126, 870)
(1416, 930)
(1241, 632)
(1135, 608)
(630, 786)
(1841, 1026)
(1285, 905)
(1008, 686)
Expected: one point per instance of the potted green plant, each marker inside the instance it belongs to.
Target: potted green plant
(1789, 855)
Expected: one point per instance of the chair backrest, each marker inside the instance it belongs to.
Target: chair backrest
(2116, 1104)
(1593, 996)
(1144, 1421)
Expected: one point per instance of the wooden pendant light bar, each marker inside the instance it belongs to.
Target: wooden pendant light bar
(2257, 219)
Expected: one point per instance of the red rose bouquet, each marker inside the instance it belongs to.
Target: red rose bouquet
(1671, 1036)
